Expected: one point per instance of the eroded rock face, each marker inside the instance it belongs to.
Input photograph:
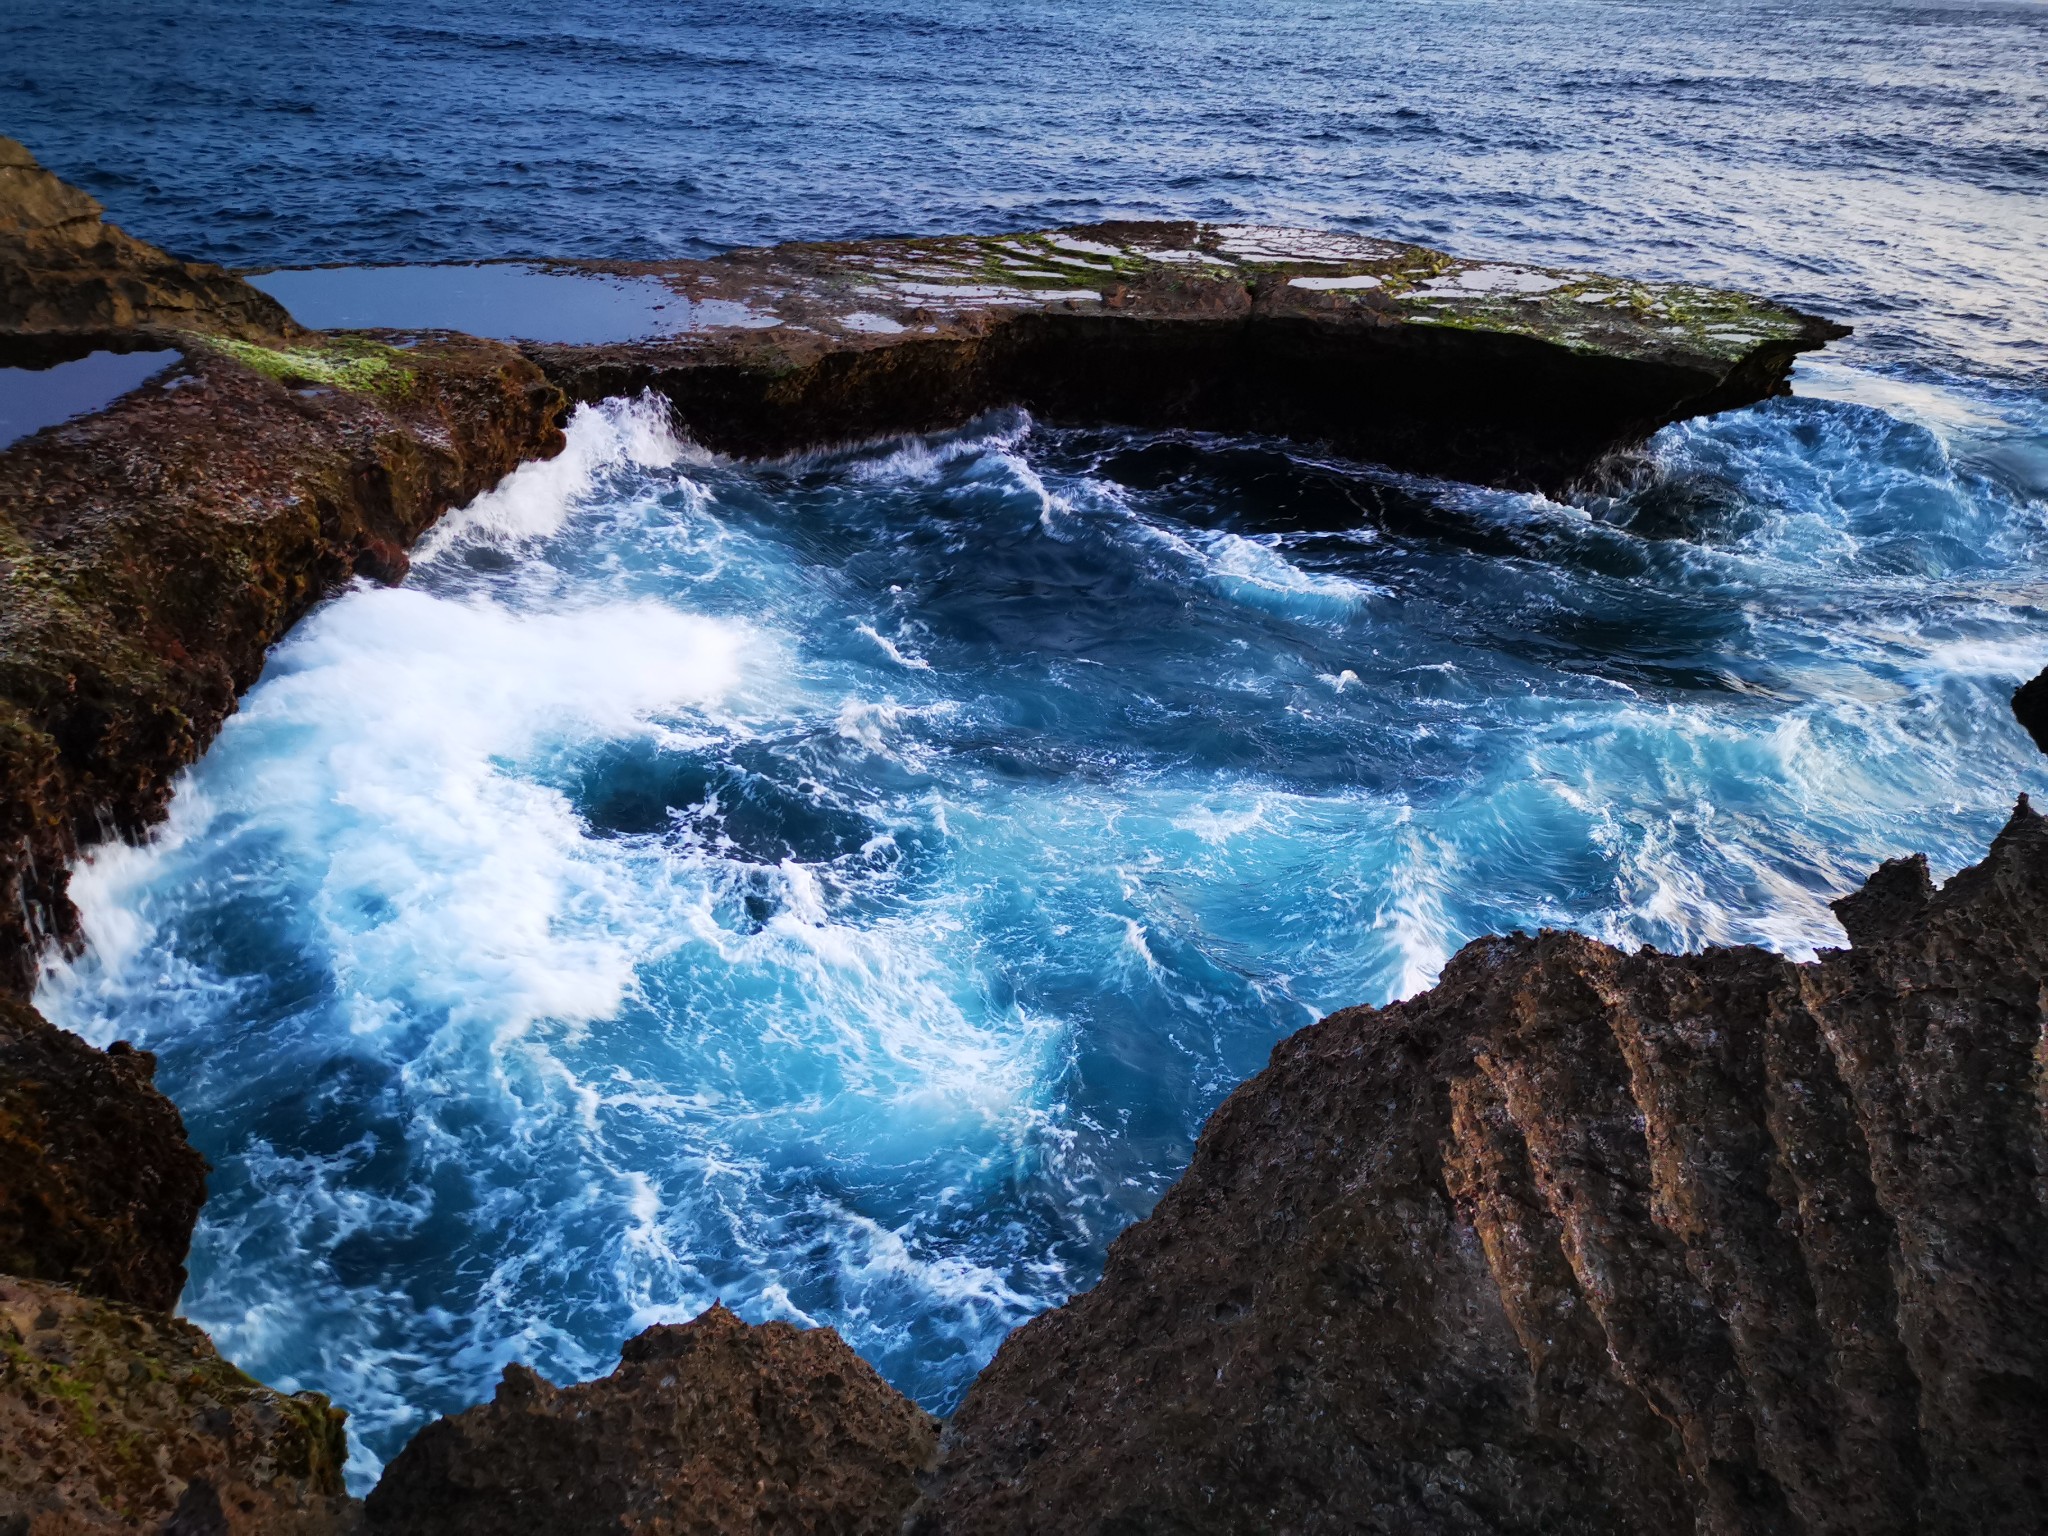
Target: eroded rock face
(63, 269)
(116, 1419)
(2030, 704)
(1586, 1242)
(150, 555)
(99, 1188)
(709, 1428)
(1498, 373)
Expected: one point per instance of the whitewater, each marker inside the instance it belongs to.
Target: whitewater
(843, 886)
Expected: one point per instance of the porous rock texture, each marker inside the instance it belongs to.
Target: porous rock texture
(2030, 704)
(64, 270)
(1582, 1241)
(151, 554)
(1385, 351)
(117, 1419)
(98, 1186)
(711, 1428)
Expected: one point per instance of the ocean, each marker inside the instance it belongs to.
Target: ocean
(843, 886)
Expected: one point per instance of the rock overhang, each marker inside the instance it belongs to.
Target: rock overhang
(1503, 373)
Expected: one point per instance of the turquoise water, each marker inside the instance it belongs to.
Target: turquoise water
(843, 887)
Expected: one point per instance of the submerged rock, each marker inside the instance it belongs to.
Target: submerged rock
(709, 1428)
(65, 271)
(2030, 704)
(98, 1186)
(1582, 1241)
(114, 1419)
(1485, 371)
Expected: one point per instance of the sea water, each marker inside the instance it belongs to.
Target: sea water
(843, 886)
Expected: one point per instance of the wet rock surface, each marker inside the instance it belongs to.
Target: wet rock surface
(1489, 372)
(66, 272)
(1586, 1241)
(99, 1188)
(150, 555)
(707, 1428)
(117, 1419)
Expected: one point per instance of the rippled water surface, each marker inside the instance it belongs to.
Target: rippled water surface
(844, 886)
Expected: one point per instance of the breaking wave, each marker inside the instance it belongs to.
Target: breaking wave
(843, 887)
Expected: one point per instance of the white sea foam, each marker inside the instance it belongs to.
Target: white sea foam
(630, 919)
(536, 499)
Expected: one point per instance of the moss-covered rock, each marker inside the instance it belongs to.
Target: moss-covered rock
(117, 1419)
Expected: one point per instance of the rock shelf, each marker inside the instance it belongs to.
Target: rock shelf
(1498, 373)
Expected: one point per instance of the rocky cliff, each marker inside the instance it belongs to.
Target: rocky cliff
(119, 1419)
(1578, 1241)
(98, 1186)
(149, 555)
(1582, 1241)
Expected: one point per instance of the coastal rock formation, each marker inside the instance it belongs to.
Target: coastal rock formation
(1491, 372)
(709, 1428)
(64, 271)
(2030, 704)
(99, 1188)
(1583, 1241)
(115, 1419)
(151, 554)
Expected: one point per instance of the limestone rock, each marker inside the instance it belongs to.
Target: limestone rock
(151, 554)
(1486, 371)
(116, 1420)
(1587, 1242)
(707, 1429)
(98, 1186)
(64, 269)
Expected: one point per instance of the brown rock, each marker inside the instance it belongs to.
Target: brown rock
(98, 1187)
(113, 1419)
(2030, 704)
(707, 1429)
(150, 555)
(1586, 1242)
(1378, 349)
(63, 269)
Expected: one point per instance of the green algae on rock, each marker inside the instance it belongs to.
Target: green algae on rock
(117, 1419)
(342, 361)
(1502, 373)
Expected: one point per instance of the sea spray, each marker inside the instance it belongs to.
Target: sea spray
(843, 886)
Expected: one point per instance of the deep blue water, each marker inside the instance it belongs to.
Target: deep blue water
(844, 886)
